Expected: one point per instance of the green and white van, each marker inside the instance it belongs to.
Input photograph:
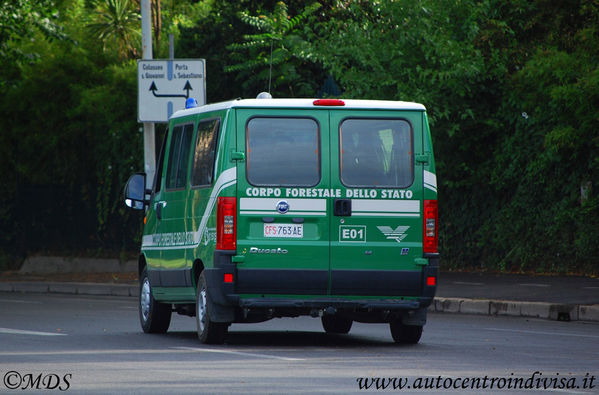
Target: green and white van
(265, 208)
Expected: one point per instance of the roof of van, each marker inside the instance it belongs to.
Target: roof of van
(301, 103)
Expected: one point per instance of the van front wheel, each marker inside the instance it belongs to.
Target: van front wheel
(405, 334)
(208, 332)
(154, 317)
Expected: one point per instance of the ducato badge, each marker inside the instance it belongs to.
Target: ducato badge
(282, 206)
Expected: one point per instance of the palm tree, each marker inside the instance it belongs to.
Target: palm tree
(117, 24)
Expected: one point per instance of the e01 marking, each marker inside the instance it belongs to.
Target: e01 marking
(352, 234)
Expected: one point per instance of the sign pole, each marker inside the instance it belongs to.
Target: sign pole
(149, 129)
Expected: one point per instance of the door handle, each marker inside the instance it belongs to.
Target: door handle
(342, 207)
(159, 207)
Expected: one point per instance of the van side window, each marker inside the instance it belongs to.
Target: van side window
(205, 152)
(178, 158)
(376, 153)
(160, 165)
(283, 151)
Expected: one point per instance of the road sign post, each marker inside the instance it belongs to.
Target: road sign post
(164, 85)
(149, 129)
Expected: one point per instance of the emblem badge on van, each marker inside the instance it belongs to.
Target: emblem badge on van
(282, 206)
(256, 250)
(397, 234)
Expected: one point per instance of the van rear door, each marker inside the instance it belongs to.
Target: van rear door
(376, 227)
(283, 205)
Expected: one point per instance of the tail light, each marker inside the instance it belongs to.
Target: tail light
(431, 227)
(329, 102)
(226, 227)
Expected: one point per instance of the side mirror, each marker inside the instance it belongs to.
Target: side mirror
(135, 191)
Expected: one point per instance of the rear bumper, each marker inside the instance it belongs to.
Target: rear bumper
(337, 303)
(307, 290)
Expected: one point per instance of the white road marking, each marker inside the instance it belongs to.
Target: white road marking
(467, 283)
(244, 354)
(9, 331)
(565, 334)
(534, 285)
(81, 352)
(20, 301)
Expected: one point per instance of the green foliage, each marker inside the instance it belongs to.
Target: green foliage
(551, 155)
(117, 23)
(109, 121)
(546, 151)
(70, 142)
(512, 90)
(274, 58)
(22, 20)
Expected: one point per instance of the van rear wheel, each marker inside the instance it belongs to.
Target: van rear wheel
(336, 324)
(405, 334)
(208, 332)
(154, 317)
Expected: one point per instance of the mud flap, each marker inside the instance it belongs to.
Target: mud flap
(217, 306)
(414, 317)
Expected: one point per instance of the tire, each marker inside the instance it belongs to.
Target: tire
(405, 334)
(336, 324)
(154, 317)
(208, 332)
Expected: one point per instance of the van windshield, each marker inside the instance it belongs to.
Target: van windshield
(376, 153)
(283, 152)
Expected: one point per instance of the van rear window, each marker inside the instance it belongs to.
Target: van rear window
(283, 152)
(376, 153)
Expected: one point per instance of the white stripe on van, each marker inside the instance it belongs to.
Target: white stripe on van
(146, 241)
(430, 181)
(226, 179)
(385, 208)
(267, 206)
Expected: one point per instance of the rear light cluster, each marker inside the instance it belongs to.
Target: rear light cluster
(226, 218)
(431, 227)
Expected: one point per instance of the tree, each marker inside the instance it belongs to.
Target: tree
(276, 57)
(21, 20)
(117, 24)
(547, 166)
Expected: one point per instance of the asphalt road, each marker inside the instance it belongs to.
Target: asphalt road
(94, 345)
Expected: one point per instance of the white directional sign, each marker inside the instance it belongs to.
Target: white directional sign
(164, 85)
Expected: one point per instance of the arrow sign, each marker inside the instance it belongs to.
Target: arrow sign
(164, 85)
(186, 88)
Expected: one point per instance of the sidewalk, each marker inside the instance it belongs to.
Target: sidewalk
(548, 297)
(566, 298)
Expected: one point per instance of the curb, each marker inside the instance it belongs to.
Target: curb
(53, 265)
(543, 310)
(71, 288)
(549, 311)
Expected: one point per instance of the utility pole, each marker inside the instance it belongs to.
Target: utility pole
(149, 128)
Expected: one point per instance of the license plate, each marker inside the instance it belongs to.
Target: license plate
(284, 230)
